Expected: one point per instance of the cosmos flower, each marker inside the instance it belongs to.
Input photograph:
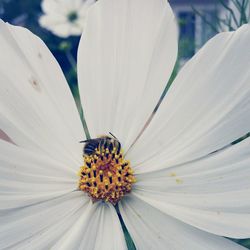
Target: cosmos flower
(65, 17)
(176, 184)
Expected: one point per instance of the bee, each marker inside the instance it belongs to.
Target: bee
(100, 143)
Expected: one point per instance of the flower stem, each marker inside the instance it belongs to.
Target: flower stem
(71, 60)
(129, 241)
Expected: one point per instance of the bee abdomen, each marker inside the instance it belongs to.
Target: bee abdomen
(90, 147)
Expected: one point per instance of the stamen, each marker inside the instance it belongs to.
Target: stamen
(101, 175)
(105, 174)
(110, 177)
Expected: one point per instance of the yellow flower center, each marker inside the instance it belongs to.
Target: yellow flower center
(105, 174)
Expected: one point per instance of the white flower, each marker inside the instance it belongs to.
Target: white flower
(185, 197)
(65, 17)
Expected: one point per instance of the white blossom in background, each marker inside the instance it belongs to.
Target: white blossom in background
(65, 17)
(186, 196)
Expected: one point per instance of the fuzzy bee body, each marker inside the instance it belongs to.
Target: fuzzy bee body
(105, 142)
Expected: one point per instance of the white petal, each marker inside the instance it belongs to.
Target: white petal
(98, 228)
(59, 27)
(82, 11)
(64, 7)
(206, 108)
(77, 28)
(76, 5)
(27, 178)
(125, 59)
(55, 6)
(65, 30)
(37, 110)
(41, 225)
(50, 21)
(151, 229)
(211, 194)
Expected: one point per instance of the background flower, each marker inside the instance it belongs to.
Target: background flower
(65, 17)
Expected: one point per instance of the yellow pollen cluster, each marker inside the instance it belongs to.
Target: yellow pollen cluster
(106, 175)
